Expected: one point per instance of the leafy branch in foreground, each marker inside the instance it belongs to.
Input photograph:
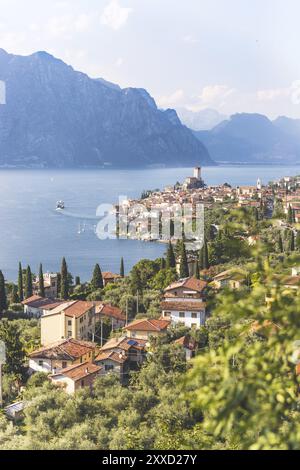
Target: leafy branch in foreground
(247, 387)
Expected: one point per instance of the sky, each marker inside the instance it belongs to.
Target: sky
(229, 55)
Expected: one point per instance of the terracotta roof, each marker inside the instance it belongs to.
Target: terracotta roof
(114, 312)
(148, 325)
(230, 274)
(70, 349)
(78, 372)
(77, 309)
(186, 342)
(189, 283)
(182, 306)
(112, 356)
(41, 302)
(108, 275)
(292, 281)
(124, 343)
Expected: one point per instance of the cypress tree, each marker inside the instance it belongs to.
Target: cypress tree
(290, 215)
(291, 241)
(171, 259)
(184, 267)
(28, 283)
(64, 280)
(14, 295)
(3, 298)
(20, 284)
(280, 243)
(205, 258)
(197, 275)
(122, 268)
(41, 282)
(163, 264)
(97, 281)
(77, 281)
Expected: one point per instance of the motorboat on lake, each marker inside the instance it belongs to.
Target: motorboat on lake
(60, 205)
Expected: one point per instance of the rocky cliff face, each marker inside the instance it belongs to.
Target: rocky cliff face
(57, 117)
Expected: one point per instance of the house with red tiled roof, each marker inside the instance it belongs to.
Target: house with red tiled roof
(74, 319)
(145, 328)
(189, 346)
(77, 377)
(189, 288)
(36, 305)
(110, 278)
(184, 302)
(60, 355)
(113, 362)
(120, 355)
(115, 314)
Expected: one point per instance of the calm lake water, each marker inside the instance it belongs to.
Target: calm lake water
(32, 231)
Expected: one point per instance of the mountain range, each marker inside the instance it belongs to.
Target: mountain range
(203, 120)
(253, 139)
(57, 117)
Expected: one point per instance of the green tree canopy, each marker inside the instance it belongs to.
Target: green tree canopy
(97, 280)
(184, 267)
(28, 283)
(41, 282)
(3, 298)
(64, 281)
(170, 258)
(20, 284)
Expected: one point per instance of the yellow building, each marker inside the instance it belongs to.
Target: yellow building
(70, 320)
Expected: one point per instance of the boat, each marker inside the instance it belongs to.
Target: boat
(60, 205)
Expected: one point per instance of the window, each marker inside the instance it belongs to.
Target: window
(41, 363)
(82, 383)
(194, 315)
(167, 314)
(69, 322)
(69, 334)
(181, 314)
(109, 367)
(64, 364)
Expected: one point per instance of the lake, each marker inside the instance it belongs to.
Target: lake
(32, 231)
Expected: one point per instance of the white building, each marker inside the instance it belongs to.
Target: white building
(190, 313)
(184, 303)
(36, 306)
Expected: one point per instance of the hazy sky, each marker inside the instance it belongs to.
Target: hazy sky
(231, 55)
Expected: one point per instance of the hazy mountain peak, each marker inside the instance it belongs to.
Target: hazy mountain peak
(254, 138)
(200, 120)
